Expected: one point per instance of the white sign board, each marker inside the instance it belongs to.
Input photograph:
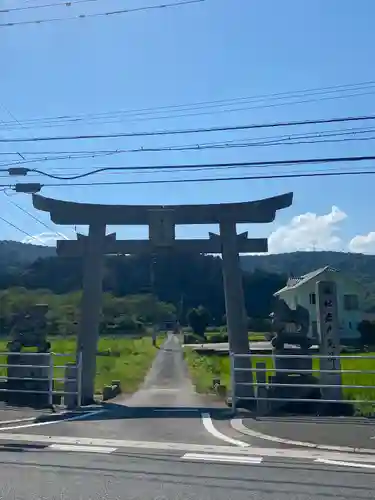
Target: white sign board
(328, 331)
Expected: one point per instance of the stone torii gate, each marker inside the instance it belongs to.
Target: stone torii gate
(161, 221)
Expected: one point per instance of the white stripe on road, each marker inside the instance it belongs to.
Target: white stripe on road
(278, 453)
(209, 426)
(239, 426)
(233, 459)
(345, 464)
(49, 422)
(80, 448)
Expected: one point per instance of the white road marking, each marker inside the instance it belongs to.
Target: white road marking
(17, 420)
(49, 422)
(281, 453)
(345, 464)
(209, 426)
(80, 448)
(238, 425)
(222, 458)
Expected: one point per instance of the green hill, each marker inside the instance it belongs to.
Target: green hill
(299, 263)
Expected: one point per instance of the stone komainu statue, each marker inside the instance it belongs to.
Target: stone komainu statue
(29, 330)
(290, 326)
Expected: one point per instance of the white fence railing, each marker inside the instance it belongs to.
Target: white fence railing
(268, 378)
(46, 366)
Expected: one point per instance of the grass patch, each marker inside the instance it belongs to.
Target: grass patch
(130, 367)
(204, 368)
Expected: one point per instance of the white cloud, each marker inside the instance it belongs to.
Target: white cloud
(363, 243)
(309, 231)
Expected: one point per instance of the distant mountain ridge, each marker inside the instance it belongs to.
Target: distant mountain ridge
(288, 264)
(17, 253)
(299, 263)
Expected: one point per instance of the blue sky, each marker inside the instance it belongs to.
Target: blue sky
(213, 50)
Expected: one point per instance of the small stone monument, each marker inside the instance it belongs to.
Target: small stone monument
(29, 331)
(290, 327)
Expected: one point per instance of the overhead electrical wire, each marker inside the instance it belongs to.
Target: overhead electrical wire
(278, 140)
(28, 213)
(16, 227)
(190, 131)
(210, 179)
(45, 6)
(202, 166)
(206, 179)
(99, 14)
(73, 119)
(187, 115)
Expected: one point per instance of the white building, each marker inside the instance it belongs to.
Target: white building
(350, 296)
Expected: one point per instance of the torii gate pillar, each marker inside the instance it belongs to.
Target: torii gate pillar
(233, 289)
(91, 308)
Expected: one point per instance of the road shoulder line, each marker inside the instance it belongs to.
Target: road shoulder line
(239, 426)
(210, 428)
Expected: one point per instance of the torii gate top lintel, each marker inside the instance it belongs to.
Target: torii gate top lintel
(67, 212)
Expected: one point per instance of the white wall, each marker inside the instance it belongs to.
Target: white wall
(348, 320)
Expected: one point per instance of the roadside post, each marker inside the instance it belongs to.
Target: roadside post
(328, 331)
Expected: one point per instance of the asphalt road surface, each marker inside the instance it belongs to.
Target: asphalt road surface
(50, 475)
(153, 445)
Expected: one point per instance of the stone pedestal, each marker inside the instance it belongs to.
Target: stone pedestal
(294, 377)
(26, 378)
(70, 385)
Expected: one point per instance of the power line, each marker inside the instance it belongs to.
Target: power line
(279, 140)
(29, 213)
(205, 179)
(191, 131)
(16, 227)
(45, 6)
(215, 179)
(200, 104)
(100, 14)
(203, 166)
(120, 119)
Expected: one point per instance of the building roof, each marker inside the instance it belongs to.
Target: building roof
(294, 283)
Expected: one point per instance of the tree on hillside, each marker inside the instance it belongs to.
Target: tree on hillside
(199, 319)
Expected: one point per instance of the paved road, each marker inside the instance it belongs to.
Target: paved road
(170, 476)
(153, 445)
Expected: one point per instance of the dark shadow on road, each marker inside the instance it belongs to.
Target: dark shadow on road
(116, 412)
(21, 447)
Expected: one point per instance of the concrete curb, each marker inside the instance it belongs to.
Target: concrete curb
(239, 426)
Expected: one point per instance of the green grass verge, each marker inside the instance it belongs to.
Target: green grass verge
(204, 368)
(130, 367)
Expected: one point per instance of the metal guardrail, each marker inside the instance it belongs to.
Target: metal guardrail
(50, 366)
(262, 371)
